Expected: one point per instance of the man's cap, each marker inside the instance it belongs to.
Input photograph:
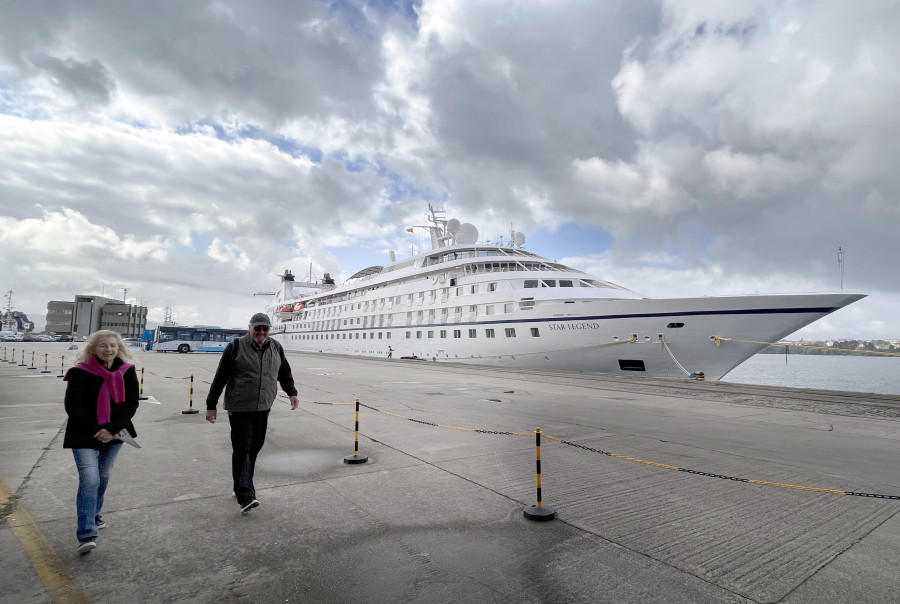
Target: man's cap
(260, 318)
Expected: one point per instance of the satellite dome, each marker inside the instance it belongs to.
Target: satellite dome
(453, 226)
(468, 234)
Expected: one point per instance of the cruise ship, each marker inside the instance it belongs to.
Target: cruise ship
(500, 305)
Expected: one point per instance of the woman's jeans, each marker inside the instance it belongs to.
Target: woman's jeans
(94, 467)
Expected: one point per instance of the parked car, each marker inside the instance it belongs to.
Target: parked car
(43, 338)
(65, 338)
(134, 342)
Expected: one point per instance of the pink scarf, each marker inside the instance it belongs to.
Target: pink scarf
(112, 389)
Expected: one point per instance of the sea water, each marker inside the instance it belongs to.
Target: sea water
(879, 374)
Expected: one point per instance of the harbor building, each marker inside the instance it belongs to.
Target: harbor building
(87, 314)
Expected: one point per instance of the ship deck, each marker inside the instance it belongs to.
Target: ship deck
(664, 490)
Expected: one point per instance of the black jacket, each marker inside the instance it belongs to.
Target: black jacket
(81, 405)
(248, 373)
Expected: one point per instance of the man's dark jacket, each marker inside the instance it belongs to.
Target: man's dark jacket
(250, 374)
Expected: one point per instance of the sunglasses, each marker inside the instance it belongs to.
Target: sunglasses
(260, 328)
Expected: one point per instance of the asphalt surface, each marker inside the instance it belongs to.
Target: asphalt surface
(664, 491)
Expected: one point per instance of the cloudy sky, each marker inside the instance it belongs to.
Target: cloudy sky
(189, 152)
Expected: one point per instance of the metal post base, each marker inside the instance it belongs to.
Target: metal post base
(356, 459)
(190, 411)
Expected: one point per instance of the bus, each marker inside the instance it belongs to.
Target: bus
(200, 338)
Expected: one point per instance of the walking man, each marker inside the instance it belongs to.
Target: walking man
(248, 371)
(390, 352)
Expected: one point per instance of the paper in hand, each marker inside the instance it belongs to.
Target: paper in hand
(125, 437)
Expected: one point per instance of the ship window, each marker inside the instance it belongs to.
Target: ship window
(357, 336)
(418, 335)
(364, 336)
(443, 333)
(379, 335)
(548, 283)
(631, 365)
(473, 333)
(508, 307)
(526, 305)
(529, 283)
(674, 325)
(474, 289)
(408, 335)
(565, 283)
(510, 332)
(453, 282)
(535, 332)
(489, 333)
(387, 336)
(492, 287)
(457, 333)
(489, 309)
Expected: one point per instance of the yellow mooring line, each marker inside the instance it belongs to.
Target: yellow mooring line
(62, 587)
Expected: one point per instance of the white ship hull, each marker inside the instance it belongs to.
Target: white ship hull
(501, 306)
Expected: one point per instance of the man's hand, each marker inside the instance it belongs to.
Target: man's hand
(294, 402)
(211, 416)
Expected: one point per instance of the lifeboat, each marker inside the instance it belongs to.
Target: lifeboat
(299, 306)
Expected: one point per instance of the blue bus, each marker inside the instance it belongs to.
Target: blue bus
(200, 338)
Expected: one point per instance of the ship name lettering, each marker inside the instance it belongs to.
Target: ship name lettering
(562, 326)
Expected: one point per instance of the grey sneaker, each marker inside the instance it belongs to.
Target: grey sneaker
(100, 522)
(246, 508)
(86, 546)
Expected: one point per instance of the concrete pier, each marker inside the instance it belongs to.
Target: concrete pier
(664, 491)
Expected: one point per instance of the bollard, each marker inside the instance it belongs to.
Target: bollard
(62, 367)
(12, 357)
(32, 361)
(45, 364)
(142, 397)
(190, 408)
(539, 512)
(356, 457)
(22, 364)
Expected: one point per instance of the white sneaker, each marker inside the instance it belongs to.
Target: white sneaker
(253, 504)
(86, 546)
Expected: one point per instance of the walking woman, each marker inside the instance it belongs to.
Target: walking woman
(101, 398)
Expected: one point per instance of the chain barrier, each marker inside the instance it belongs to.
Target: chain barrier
(632, 459)
(766, 483)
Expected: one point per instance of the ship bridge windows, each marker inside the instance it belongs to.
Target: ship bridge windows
(548, 283)
(531, 283)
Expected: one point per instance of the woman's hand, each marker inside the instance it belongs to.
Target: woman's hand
(104, 436)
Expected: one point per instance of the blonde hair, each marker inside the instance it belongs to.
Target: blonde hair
(90, 349)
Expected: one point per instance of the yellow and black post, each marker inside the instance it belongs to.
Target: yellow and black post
(142, 397)
(46, 370)
(190, 408)
(539, 512)
(356, 457)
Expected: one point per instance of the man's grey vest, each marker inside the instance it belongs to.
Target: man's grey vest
(253, 384)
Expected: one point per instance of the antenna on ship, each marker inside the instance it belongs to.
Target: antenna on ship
(841, 266)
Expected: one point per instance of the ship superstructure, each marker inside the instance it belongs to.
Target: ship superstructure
(496, 304)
